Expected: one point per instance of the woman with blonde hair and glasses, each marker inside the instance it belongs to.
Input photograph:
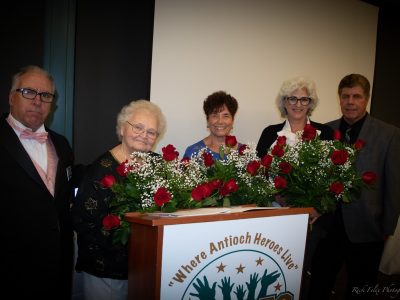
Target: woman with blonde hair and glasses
(102, 263)
(296, 100)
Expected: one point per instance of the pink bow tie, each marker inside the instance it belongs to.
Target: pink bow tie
(41, 137)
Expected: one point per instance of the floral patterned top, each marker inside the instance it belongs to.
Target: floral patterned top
(97, 254)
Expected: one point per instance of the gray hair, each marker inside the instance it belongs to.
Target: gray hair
(141, 105)
(31, 69)
(291, 85)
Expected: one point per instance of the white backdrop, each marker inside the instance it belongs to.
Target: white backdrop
(248, 48)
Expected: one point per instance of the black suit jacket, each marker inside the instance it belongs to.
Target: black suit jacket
(269, 135)
(36, 232)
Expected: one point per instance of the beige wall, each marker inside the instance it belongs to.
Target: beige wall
(247, 48)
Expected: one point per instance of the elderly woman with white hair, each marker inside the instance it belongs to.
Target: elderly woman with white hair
(296, 100)
(102, 263)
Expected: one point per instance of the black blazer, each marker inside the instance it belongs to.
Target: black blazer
(36, 232)
(269, 135)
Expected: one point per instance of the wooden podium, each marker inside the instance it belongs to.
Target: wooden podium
(260, 252)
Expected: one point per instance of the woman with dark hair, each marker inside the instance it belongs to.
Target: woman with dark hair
(220, 109)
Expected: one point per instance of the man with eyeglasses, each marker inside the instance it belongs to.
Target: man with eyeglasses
(356, 237)
(36, 235)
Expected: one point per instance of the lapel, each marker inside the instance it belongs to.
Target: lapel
(17, 151)
(64, 161)
(60, 166)
(366, 129)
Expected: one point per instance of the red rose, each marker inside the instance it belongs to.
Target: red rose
(285, 167)
(161, 196)
(339, 157)
(123, 169)
(110, 222)
(223, 191)
(108, 181)
(242, 148)
(280, 182)
(229, 187)
(369, 177)
(336, 187)
(208, 160)
(359, 144)
(230, 141)
(281, 140)
(169, 153)
(266, 160)
(202, 191)
(337, 135)
(252, 167)
(277, 151)
(216, 183)
(185, 160)
(309, 132)
(198, 193)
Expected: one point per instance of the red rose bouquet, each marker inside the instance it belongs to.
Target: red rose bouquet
(316, 173)
(152, 182)
(238, 177)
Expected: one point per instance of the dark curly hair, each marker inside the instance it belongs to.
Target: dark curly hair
(215, 102)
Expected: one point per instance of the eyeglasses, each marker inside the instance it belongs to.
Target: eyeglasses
(303, 100)
(31, 94)
(139, 129)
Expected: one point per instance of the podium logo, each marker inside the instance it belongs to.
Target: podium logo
(242, 274)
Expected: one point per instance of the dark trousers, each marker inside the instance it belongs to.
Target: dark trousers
(361, 259)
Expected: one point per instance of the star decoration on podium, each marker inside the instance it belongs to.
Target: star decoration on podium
(221, 268)
(277, 287)
(240, 269)
(259, 261)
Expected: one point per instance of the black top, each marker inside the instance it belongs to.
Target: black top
(269, 135)
(352, 130)
(37, 239)
(97, 254)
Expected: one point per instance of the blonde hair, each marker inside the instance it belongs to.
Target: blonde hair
(141, 105)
